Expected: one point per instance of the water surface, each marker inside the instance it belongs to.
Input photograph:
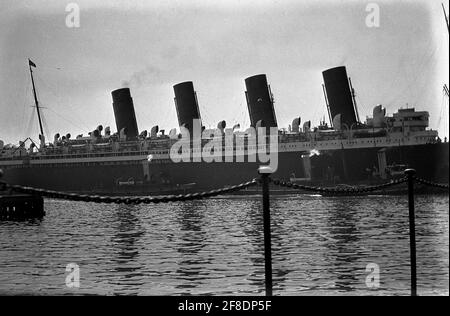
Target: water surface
(321, 246)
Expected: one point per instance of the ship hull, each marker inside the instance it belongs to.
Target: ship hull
(346, 166)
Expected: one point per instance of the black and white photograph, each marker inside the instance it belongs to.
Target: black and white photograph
(224, 153)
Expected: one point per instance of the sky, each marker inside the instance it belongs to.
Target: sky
(149, 46)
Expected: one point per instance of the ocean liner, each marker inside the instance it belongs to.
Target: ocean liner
(343, 151)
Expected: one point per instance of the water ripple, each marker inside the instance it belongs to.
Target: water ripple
(321, 246)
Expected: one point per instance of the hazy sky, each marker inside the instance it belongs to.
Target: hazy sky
(152, 45)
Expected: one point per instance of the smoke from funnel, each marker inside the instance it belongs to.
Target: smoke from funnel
(148, 75)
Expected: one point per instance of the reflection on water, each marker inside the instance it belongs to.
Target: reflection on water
(193, 237)
(215, 247)
(343, 243)
(125, 243)
(253, 230)
(281, 233)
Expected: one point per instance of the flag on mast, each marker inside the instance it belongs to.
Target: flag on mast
(31, 63)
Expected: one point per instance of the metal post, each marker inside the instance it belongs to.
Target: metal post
(1, 175)
(265, 172)
(412, 230)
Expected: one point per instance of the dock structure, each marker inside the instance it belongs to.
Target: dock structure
(15, 206)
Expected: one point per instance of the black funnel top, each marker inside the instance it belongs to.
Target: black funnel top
(124, 112)
(339, 94)
(186, 104)
(259, 101)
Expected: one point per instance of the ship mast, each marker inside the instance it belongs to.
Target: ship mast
(328, 105)
(31, 64)
(446, 17)
(355, 106)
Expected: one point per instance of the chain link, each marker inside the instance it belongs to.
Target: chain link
(337, 190)
(127, 199)
(201, 195)
(432, 184)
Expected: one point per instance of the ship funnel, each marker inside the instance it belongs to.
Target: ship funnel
(339, 95)
(124, 112)
(186, 104)
(260, 101)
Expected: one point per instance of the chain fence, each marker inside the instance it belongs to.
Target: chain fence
(336, 190)
(432, 184)
(125, 199)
